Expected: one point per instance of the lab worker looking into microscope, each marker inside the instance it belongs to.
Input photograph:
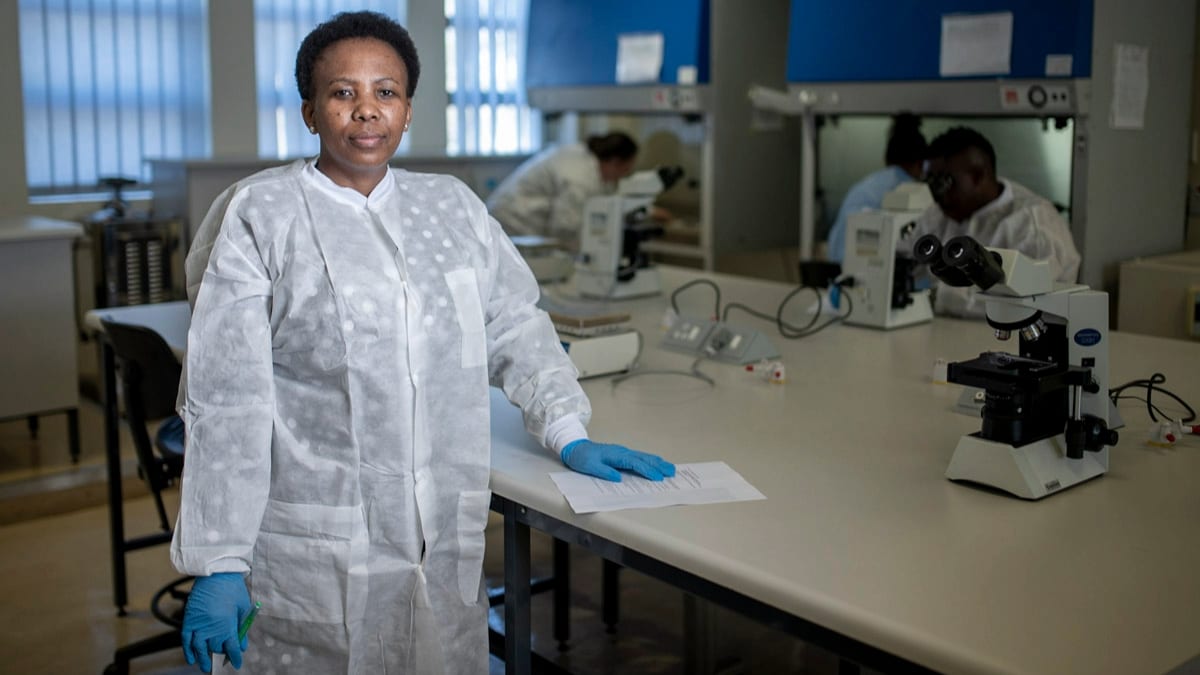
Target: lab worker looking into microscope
(545, 196)
(997, 212)
(347, 321)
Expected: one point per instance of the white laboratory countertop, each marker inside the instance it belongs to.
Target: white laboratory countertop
(861, 532)
(168, 319)
(26, 228)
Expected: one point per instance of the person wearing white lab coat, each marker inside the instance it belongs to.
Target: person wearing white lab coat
(998, 213)
(905, 160)
(545, 196)
(347, 321)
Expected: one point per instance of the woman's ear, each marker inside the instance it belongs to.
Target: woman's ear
(306, 113)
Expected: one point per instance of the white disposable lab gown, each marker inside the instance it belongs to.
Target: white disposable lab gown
(545, 195)
(1018, 219)
(337, 408)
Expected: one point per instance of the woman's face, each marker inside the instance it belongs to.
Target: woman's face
(359, 108)
(614, 169)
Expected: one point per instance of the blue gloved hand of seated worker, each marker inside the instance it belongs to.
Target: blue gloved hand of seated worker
(603, 460)
(215, 608)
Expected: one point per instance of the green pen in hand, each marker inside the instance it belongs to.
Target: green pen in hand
(245, 627)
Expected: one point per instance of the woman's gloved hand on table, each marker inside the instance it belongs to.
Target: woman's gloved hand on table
(603, 460)
(215, 609)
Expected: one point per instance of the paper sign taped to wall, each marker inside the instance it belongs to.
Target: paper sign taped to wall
(639, 57)
(1131, 87)
(976, 44)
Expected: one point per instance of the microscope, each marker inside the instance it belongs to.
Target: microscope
(1046, 413)
(610, 265)
(883, 293)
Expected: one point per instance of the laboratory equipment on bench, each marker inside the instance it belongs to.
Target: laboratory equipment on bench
(1046, 412)
(545, 257)
(610, 264)
(718, 340)
(880, 280)
(598, 341)
(131, 252)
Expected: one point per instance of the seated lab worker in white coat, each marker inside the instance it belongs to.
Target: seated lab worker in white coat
(997, 212)
(546, 194)
(347, 320)
(905, 159)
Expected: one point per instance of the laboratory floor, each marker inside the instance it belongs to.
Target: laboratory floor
(58, 615)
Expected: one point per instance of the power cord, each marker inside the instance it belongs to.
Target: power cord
(787, 330)
(706, 282)
(1151, 387)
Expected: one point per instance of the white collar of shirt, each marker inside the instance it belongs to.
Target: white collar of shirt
(349, 195)
(1006, 197)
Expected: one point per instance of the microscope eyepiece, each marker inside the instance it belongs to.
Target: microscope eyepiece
(669, 175)
(979, 265)
(928, 251)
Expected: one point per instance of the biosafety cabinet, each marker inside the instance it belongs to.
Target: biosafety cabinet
(1057, 108)
(740, 166)
(1017, 70)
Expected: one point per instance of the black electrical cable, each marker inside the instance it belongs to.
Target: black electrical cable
(1151, 386)
(787, 330)
(1131, 397)
(706, 282)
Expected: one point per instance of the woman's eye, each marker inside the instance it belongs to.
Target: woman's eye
(386, 93)
(343, 93)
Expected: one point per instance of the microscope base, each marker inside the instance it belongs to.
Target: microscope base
(1031, 471)
(605, 287)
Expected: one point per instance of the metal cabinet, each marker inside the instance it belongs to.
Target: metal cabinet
(38, 334)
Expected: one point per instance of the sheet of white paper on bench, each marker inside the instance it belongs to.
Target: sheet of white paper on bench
(700, 483)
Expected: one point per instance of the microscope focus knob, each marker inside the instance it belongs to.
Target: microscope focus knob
(1089, 433)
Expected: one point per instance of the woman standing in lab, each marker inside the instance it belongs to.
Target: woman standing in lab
(905, 159)
(347, 319)
(546, 194)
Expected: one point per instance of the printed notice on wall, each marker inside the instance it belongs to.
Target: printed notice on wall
(976, 44)
(1131, 87)
(639, 57)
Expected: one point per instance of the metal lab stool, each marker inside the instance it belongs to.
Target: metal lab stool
(149, 374)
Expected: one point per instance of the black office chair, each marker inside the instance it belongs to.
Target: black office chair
(149, 376)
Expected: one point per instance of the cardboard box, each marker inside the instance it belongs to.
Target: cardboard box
(1157, 295)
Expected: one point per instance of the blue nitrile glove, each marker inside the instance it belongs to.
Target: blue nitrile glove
(215, 609)
(603, 459)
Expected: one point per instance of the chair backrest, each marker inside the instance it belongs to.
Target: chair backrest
(149, 375)
(149, 370)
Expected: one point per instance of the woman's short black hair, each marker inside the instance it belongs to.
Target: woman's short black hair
(906, 144)
(349, 25)
(614, 145)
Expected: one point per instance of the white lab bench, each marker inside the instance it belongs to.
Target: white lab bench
(39, 372)
(862, 544)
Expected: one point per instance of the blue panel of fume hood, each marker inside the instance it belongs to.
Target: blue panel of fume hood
(574, 42)
(890, 40)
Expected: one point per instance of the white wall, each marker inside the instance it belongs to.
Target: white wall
(234, 103)
(13, 191)
(1137, 179)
